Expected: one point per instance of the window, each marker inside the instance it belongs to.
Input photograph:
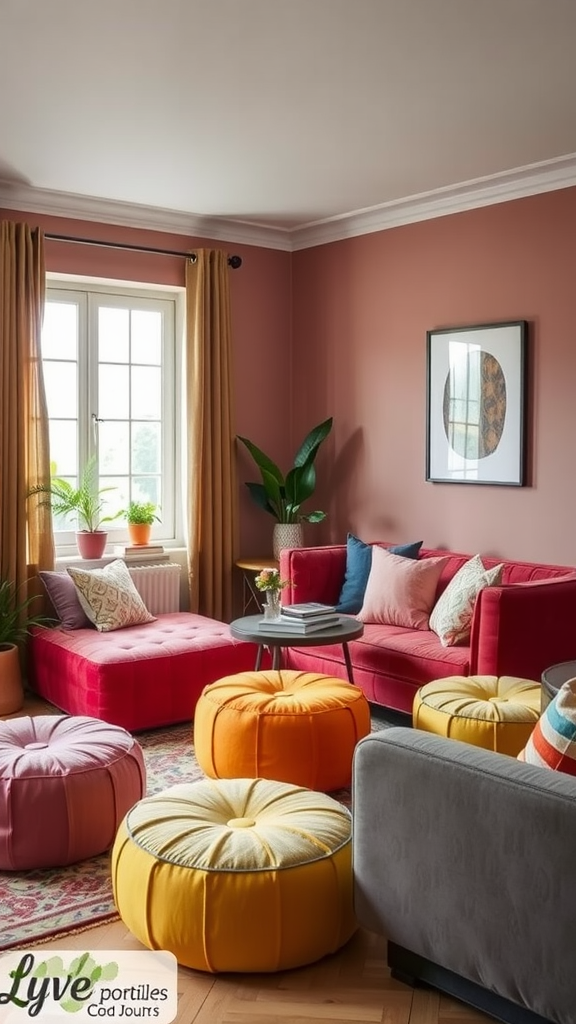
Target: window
(109, 359)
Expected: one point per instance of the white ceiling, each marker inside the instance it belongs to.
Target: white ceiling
(279, 114)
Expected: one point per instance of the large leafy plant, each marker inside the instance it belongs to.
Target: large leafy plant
(85, 502)
(282, 496)
(15, 618)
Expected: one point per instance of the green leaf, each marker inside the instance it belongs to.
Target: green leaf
(265, 465)
(311, 443)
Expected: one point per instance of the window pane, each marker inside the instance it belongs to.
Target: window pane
(60, 331)
(60, 382)
(146, 393)
(146, 337)
(114, 447)
(112, 500)
(146, 488)
(63, 448)
(113, 335)
(113, 393)
(146, 447)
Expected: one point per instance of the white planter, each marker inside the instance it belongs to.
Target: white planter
(287, 535)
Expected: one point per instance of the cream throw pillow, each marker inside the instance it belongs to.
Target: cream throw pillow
(451, 616)
(109, 597)
(400, 591)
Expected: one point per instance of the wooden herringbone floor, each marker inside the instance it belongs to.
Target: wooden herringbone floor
(351, 987)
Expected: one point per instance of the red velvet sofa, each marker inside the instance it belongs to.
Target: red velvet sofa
(518, 629)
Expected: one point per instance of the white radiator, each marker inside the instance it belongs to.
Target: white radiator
(158, 586)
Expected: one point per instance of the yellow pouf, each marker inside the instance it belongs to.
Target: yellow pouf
(236, 874)
(487, 711)
(299, 727)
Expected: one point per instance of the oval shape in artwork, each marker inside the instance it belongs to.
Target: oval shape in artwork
(474, 404)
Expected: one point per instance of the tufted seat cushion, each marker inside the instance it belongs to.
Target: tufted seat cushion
(236, 875)
(139, 677)
(487, 711)
(65, 785)
(298, 727)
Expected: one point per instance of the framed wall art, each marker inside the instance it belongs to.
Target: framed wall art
(475, 404)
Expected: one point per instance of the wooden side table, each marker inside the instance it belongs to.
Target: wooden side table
(252, 599)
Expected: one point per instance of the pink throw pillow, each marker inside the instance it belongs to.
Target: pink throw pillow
(401, 591)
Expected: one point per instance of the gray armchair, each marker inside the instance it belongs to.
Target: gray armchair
(466, 861)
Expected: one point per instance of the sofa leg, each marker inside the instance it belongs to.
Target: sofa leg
(413, 970)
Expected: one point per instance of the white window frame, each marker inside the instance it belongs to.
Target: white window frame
(86, 292)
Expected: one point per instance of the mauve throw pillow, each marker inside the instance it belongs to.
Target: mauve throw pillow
(65, 601)
(358, 565)
(401, 591)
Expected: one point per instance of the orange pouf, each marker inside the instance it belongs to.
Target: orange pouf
(298, 727)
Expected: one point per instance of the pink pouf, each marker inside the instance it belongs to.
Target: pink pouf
(65, 785)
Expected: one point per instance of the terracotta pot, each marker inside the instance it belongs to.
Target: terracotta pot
(11, 690)
(139, 533)
(91, 545)
(287, 535)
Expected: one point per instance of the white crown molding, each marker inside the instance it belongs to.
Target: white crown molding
(149, 218)
(496, 188)
(532, 179)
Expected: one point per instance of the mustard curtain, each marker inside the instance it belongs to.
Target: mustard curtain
(26, 540)
(212, 493)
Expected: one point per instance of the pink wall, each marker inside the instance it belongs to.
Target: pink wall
(361, 311)
(341, 330)
(261, 324)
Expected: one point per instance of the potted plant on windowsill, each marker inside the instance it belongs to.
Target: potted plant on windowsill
(141, 516)
(282, 496)
(85, 502)
(15, 624)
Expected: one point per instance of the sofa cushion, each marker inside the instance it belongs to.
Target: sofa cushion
(400, 591)
(553, 740)
(451, 617)
(358, 565)
(64, 599)
(109, 597)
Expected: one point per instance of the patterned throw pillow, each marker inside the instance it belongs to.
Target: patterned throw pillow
(109, 597)
(552, 743)
(451, 616)
(400, 591)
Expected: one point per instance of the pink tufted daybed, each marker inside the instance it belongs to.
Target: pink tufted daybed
(139, 677)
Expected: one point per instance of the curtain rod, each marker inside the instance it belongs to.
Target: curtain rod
(233, 261)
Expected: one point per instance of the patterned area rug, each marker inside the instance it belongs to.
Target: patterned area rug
(37, 905)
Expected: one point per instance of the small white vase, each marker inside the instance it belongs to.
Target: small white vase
(287, 535)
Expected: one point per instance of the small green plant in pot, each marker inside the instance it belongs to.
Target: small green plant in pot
(85, 503)
(282, 495)
(141, 516)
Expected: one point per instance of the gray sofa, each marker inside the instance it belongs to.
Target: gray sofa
(466, 861)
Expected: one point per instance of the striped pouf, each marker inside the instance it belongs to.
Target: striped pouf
(552, 743)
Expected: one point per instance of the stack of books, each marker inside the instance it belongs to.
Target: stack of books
(301, 619)
(137, 552)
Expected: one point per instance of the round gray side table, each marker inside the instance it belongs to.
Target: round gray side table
(554, 677)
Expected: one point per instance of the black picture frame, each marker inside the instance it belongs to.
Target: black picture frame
(476, 404)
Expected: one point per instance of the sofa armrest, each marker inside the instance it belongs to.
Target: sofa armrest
(466, 858)
(522, 628)
(315, 574)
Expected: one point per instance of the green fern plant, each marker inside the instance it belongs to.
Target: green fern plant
(85, 501)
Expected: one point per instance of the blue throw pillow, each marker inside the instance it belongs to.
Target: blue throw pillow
(358, 565)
